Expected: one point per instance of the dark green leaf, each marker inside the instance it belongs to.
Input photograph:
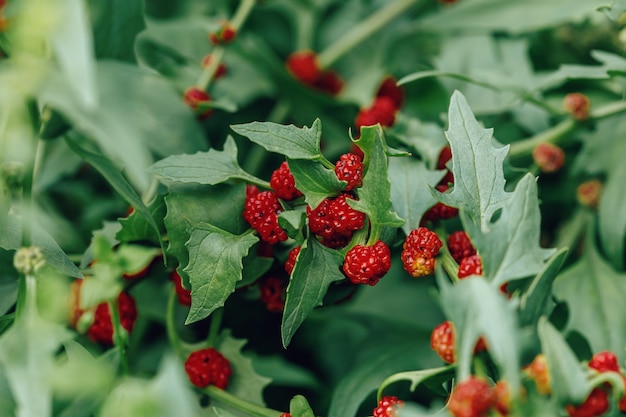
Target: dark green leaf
(317, 267)
(611, 216)
(137, 227)
(8, 281)
(254, 266)
(291, 141)
(116, 24)
(567, 378)
(410, 192)
(215, 266)
(299, 407)
(212, 167)
(315, 181)
(375, 194)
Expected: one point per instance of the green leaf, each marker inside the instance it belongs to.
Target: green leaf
(245, 382)
(212, 167)
(478, 309)
(317, 267)
(615, 9)
(314, 180)
(410, 192)
(215, 265)
(11, 239)
(427, 139)
(136, 227)
(509, 247)
(435, 377)
(593, 291)
(479, 190)
(8, 281)
(375, 194)
(115, 178)
(292, 222)
(299, 407)
(567, 378)
(611, 217)
(536, 301)
(291, 141)
(116, 24)
(610, 63)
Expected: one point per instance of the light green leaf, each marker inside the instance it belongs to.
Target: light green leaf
(317, 267)
(299, 407)
(291, 141)
(425, 138)
(375, 194)
(611, 217)
(314, 180)
(292, 221)
(410, 194)
(215, 266)
(476, 164)
(212, 167)
(615, 9)
(434, 377)
(567, 378)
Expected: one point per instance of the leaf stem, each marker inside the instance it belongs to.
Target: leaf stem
(170, 325)
(216, 326)
(447, 261)
(240, 404)
(118, 336)
(362, 31)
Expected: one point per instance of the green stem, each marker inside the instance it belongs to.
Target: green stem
(449, 264)
(570, 232)
(170, 325)
(216, 326)
(242, 13)
(118, 336)
(362, 31)
(240, 404)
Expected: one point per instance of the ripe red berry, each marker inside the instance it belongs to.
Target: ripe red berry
(261, 211)
(196, 98)
(329, 82)
(390, 89)
(442, 341)
(285, 415)
(596, 404)
(537, 370)
(273, 292)
(206, 367)
(460, 245)
(303, 66)
(419, 250)
(440, 210)
(291, 259)
(349, 168)
(548, 157)
(387, 407)
(472, 265)
(225, 34)
(588, 193)
(503, 398)
(367, 264)
(101, 330)
(444, 156)
(183, 294)
(283, 183)
(335, 221)
(221, 68)
(473, 397)
(382, 111)
(604, 361)
(577, 105)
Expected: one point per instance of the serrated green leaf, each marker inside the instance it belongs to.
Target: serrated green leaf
(476, 164)
(375, 193)
(509, 247)
(215, 266)
(611, 217)
(593, 290)
(441, 375)
(479, 309)
(136, 227)
(314, 180)
(410, 194)
(291, 141)
(317, 267)
(212, 167)
(567, 379)
(299, 407)
(535, 302)
(610, 63)
(245, 382)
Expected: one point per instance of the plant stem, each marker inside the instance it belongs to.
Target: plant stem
(569, 233)
(170, 325)
(240, 404)
(118, 336)
(216, 325)
(362, 31)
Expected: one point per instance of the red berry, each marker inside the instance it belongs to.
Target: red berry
(195, 98)
(335, 221)
(419, 250)
(251, 191)
(273, 292)
(224, 35)
(382, 111)
(622, 402)
(444, 156)
(472, 265)
(291, 259)
(460, 245)
(349, 168)
(221, 68)
(604, 361)
(303, 66)
(440, 210)
(588, 193)
(442, 341)
(473, 397)
(548, 157)
(183, 294)
(503, 398)
(538, 371)
(577, 105)
(206, 367)
(261, 211)
(283, 183)
(101, 330)
(329, 82)
(367, 264)
(596, 404)
(387, 407)
(390, 89)
(285, 415)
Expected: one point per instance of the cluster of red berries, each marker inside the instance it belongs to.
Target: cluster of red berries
(367, 264)
(419, 250)
(334, 220)
(443, 342)
(464, 253)
(473, 397)
(389, 98)
(261, 212)
(440, 210)
(388, 407)
(283, 183)
(273, 292)
(225, 34)
(291, 259)
(206, 367)
(304, 67)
